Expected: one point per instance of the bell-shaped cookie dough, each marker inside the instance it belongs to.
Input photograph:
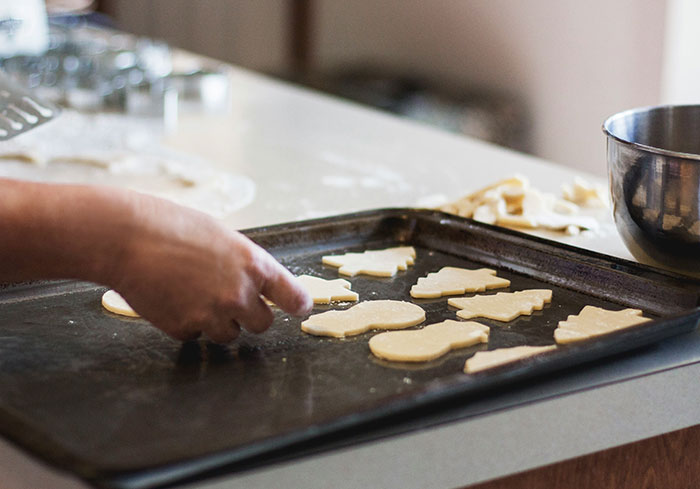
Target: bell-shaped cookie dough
(429, 343)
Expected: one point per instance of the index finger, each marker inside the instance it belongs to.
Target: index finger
(285, 291)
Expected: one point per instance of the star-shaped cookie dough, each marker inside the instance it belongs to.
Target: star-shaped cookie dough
(429, 343)
(326, 291)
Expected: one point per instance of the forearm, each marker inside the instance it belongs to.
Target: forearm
(62, 231)
(178, 268)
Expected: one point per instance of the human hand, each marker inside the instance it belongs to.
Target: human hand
(188, 274)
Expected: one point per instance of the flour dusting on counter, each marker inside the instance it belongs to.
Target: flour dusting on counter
(363, 174)
(122, 151)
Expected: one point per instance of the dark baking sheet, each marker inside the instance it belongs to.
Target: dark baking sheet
(120, 404)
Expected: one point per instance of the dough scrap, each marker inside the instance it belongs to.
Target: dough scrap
(483, 360)
(113, 302)
(504, 306)
(466, 205)
(379, 263)
(585, 194)
(595, 321)
(453, 281)
(514, 203)
(382, 314)
(325, 291)
(429, 343)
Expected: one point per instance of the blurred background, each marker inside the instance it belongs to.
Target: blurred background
(538, 76)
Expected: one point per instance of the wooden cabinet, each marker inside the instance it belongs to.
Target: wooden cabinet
(669, 461)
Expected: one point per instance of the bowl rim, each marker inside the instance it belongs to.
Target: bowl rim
(646, 147)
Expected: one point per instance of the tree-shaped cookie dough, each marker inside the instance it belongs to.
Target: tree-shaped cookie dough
(380, 263)
(504, 306)
(326, 291)
(384, 314)
(453, 281)
(595, 321)
(483, 360)
(429, 343)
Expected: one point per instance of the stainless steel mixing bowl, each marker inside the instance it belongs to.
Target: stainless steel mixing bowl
(654, 168)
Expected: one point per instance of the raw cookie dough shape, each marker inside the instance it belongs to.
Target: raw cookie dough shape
(326, 291)
(483, 360)
(595, 321)
(453, 281)
(113, 302)
(429, 343)
(383, 314)
(504, 306)
(379, 263)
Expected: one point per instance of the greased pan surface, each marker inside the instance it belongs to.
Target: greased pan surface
(120, 404)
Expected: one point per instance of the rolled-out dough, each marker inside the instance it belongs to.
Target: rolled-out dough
(382, 314)
(429, 343)
(483, 360)
(504, 306)
(113, 302)
(595, 321)
(453, 281)
(326, 291)
(380, 263)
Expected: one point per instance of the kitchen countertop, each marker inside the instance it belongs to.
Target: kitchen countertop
(310, 155)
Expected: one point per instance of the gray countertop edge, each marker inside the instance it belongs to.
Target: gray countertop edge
(489, 446)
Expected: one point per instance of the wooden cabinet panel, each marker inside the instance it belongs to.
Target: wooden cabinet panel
(670, 461)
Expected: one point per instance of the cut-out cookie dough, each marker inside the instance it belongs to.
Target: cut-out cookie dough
(379, 263)
(429, 343)
(595, 321)
(453, 281)
(504, 306)
(483, 360)
(383, 314)
(113, 302)
(326, 291)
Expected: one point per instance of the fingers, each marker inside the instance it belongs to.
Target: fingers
(182, 335)
(223, 331)
(283, 289)
(224, 275)
(256, 317)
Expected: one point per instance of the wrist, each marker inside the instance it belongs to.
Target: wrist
(108, 234)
